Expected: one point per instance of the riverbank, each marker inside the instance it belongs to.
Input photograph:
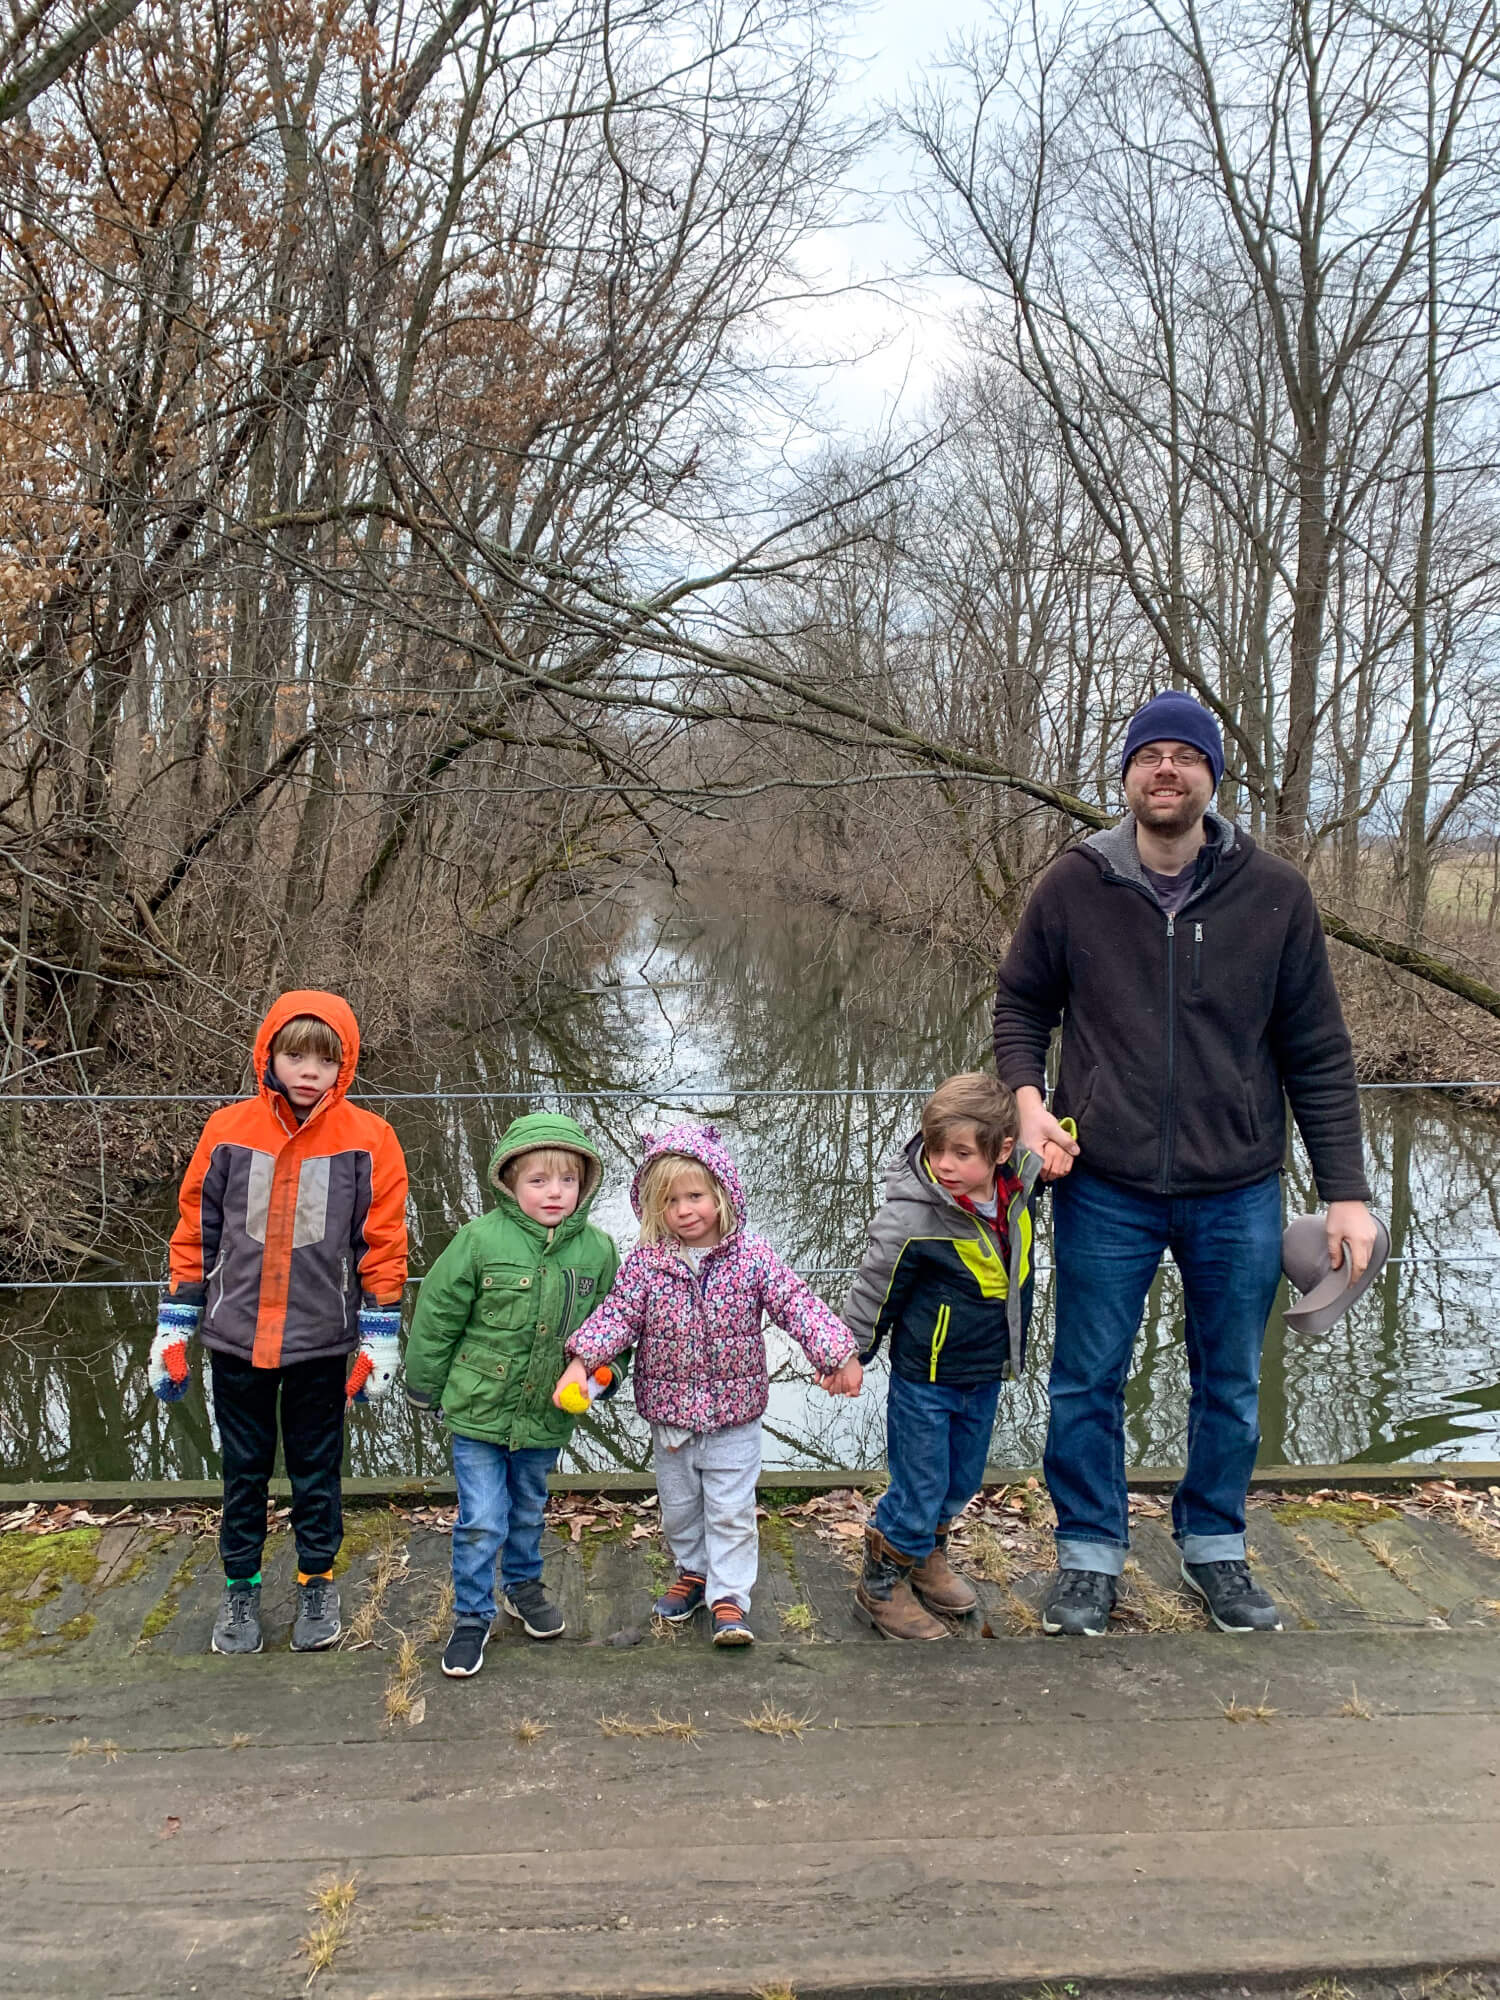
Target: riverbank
(630, 1813)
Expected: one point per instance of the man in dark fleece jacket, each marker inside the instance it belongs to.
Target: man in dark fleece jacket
(1189, 971)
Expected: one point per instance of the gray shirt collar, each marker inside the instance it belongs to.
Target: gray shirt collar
(1116, 846)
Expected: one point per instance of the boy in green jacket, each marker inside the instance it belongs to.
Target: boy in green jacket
(486, 1344)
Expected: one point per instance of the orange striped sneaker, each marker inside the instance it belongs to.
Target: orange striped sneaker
(682, 1600)
(730, 1628)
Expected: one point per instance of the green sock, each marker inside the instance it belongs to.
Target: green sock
(242, 1582)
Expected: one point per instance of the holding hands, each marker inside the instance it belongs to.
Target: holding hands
(574, 1376)
(844, 1381)
(1045, 1135)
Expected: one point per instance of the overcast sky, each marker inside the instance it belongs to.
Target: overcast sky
(897, 349)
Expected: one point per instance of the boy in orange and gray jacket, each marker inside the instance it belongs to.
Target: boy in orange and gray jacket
(290, 1254)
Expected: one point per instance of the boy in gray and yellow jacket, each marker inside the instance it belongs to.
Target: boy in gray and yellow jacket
(947, 1276)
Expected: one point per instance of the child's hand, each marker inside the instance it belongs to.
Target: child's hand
(575, 1374)
(167, 1370)
(845, 1381)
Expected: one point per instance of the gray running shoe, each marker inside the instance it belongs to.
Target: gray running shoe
(1236, 1602)
(1079, 1603)
(317, 1623)
(237, 1627)
(529, 1603)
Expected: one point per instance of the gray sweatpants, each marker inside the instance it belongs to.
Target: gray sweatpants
(707, 1493)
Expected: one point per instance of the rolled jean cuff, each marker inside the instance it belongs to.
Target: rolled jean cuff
(1212, 1548)
(1103, 1558)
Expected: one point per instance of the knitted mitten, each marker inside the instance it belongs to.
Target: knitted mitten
(379, 1354)
(167, 1369)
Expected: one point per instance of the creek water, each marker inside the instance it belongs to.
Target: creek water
(809, 1040)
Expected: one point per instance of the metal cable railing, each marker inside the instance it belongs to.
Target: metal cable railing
(676, 1094)
(683, 1094)
(826, 1271)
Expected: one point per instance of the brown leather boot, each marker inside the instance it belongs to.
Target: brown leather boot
(883, 1596)
(939, 1584)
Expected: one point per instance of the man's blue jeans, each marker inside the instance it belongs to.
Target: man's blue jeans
(502, 1496)
(936, 1442)
(1107, 1244)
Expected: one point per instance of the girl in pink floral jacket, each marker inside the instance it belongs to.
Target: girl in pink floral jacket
(690, 1300)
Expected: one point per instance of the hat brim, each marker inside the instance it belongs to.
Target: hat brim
(1333, 1295)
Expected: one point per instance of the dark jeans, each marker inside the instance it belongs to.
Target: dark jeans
(1107, 1245)
(311, 1394)
(502, 1498)
(936, 1442)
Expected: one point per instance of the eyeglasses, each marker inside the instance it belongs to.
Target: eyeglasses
(1181, 755)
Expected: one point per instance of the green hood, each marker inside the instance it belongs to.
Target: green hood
(548, 1128)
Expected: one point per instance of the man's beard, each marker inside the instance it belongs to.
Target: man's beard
(1169, 814)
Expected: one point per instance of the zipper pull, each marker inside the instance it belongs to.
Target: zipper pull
(550, 1234)
(1171, 924)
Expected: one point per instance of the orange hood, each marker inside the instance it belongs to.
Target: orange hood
(328, 1007)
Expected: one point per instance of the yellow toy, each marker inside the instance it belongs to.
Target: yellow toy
(576, 1400)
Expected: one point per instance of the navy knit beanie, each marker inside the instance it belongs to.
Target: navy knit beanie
(1175, 718)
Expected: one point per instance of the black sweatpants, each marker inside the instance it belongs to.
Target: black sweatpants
(312, 1438)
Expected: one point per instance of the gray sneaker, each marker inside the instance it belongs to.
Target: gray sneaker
(1079, 1603)
(529, 1603)
(1236, 1602)
(237, 1627)
(317, 1623)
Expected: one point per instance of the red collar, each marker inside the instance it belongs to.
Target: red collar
(1007, 1187)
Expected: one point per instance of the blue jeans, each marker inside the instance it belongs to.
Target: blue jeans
(936, 1442)
(502, 1496)
(1107, 1243)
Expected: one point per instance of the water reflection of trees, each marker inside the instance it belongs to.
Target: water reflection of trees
(795, 1000)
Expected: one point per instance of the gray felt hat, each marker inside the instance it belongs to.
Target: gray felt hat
(1326, 1292)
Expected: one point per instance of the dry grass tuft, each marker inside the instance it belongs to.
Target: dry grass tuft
(798, 1618)
(109, 1750)
(241, 1739)
(334, 1896)
(1357, 1708)
(769, 1721)
(1492, 1605)
(774, 1989)
(361, 1627)
(1319, 1561)
(1386, 1556)
(398, 1703)
(403, 1700)
(333, 1903)
(987, 1556)
(440, 1618)
(1477, 1522)
(1327, 1989)
(392, 1558)
(1448, 1986)
(1021, 1613)
(1159, 1610)
(661, 1725)
(1235, 1710)
(528, 1730)
(685, 1731)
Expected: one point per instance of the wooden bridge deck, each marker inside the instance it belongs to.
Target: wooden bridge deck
(629, 1812)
